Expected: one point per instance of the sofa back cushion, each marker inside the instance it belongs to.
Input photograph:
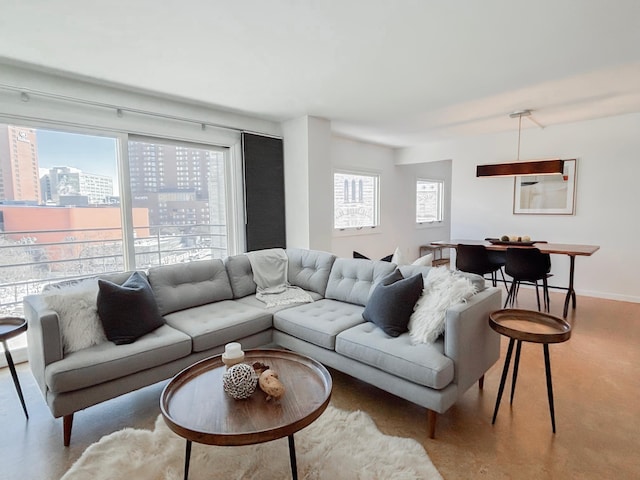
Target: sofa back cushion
(240, 275)
(186, 285)
(351, 279)
(410, 270)
(309, 269)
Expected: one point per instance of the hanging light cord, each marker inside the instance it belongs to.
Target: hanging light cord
(519, 130)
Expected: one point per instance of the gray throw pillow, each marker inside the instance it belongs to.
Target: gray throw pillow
(392, 301)
(127, 311)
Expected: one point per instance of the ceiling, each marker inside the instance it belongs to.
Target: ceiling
(395, 72)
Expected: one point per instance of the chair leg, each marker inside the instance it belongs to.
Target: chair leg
(547, 300)
(510, 295)
(67, 422)
(504, 280)
(431, 422)
(538, 296)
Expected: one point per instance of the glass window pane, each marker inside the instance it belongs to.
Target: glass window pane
(355, 198)
(59, 215)
(181, 187)
(429, 200)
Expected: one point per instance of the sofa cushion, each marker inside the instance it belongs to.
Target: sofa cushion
(351, 279)
(106, 361)
(219, 323)
(186, 285)
(127, 311)
(392, 301)
(409, 270)
(424, 364)
(240, 275)
(318, 322)
(309, 269)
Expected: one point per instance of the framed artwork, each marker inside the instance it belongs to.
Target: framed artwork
(546, 194)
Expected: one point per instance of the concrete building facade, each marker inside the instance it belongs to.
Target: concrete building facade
(19, 179)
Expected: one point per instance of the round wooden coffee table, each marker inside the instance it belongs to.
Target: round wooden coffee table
(528, 326)
(195, 406)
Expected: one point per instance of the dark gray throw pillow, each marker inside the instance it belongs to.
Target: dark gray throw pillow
(127, 311)
(384, 259)
(391, 303)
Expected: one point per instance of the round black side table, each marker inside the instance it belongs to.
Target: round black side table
(528, 326)
(11, 327)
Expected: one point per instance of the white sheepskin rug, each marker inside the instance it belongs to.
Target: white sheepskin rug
(338, 445)
(443, 289)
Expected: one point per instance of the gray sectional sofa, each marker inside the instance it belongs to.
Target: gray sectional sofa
(207, 304)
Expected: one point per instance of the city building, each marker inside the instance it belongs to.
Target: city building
(68, 232)
(179, 185)
(63, 182)
(19, 164)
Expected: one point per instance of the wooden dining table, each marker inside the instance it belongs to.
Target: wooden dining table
(569, 249)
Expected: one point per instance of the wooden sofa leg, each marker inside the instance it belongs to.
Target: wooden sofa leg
(431, 422)
(67, 423)
(481, 382)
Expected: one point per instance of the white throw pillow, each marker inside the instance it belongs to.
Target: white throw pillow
(443, 289)
(424, 261)
(398, 258)
(76, 306)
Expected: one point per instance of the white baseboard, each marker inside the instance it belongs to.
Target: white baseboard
(18, 354)
(609, 296)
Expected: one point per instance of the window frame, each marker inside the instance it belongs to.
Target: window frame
(365, 229)
(441, 200)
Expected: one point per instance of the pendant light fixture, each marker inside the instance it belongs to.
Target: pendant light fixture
(518, 168)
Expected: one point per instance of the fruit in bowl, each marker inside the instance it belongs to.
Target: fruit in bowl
(515, 238)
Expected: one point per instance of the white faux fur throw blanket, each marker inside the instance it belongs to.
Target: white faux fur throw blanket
(270, 269)
(443, 288)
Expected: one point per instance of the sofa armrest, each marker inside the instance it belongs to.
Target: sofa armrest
(469, 340)
(44, 344)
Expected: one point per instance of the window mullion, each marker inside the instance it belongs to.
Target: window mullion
(128, 235)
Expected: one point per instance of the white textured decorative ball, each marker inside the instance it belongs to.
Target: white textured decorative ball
(240, 381)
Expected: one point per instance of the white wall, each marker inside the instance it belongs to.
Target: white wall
(296, 181)
(608, 171)
(309, 215)
(397, 201)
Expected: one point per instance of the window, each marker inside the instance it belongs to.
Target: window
(64, 219)
(187, 218)
(429, 201)
(355, 200)
(57, 223)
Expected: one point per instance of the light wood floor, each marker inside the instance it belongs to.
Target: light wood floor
(596, 378)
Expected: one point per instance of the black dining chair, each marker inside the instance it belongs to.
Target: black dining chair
(528, 265)
(475, 259)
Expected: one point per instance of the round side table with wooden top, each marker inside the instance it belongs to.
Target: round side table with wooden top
(195, 406)
(12, 327)
(528, 326)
